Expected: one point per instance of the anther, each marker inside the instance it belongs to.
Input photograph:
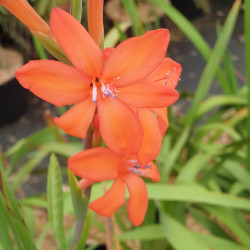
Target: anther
(108, 90)
(94, 93)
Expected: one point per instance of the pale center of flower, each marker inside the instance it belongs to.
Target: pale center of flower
(167, 78)
(105, 89)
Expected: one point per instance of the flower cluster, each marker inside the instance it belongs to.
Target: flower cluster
(123, 92)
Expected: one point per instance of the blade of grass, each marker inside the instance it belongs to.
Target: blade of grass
(172, 230)
(247, 49)
(196, 194)
(210, 69)
(226, 216)
(133, 13)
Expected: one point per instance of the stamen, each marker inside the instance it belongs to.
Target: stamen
(108, 90)
(168, 75)
(137, 166)
(135, 171)
(94, 92)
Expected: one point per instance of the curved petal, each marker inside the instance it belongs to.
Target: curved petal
(151, 143)
(77, 120)
(54, 81)
(96, 164)
(168, 72)
(162, 118)
(76, 42)
(111, 201)
(138, 200)
(95, 20)
(120, 128)
(136, 57)
(147, 94)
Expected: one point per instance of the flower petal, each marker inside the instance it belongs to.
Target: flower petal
(168, 72)
(111, 201)
(76, 42)
(138, 200)
(107, 53)
(120, 128)
(147, 94)
(95, 20)
(77, 119)
(27, 15)
(162, 118)
(54, 81)
(151, 143)
(96, 164)
(136, 57)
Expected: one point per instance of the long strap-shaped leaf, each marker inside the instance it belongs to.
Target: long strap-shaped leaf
(55, 202)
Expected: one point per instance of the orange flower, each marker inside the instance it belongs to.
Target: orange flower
(154, 121)
(27, 15)
(168, 73)
(99, 164)
(114, 87)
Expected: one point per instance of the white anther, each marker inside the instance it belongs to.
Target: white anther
(94, 93)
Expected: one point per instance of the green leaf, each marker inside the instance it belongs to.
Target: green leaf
(144, 233)
(27, 168)
(39, 49)
(82, 241)
(192, 167)
(237, 171)
(231, 73)
(4, 226)
(79, 200)
(76, 9)
(195, 194)
(155, 232)
(24, 235)
(204, 219)
(213, 62)
(29, 217)
(52, 47)
(219, 100)
(178, 236)
(227, 217)
(113, 36)
(217, 242)
(133, 13)
(6, 191)
(55, 201)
